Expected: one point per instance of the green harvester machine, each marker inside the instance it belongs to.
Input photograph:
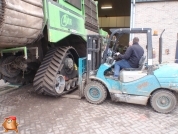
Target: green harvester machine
(42, 40)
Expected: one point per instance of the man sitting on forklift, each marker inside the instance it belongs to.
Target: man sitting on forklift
(130, 59)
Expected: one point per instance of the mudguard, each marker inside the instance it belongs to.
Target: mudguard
(167, 75)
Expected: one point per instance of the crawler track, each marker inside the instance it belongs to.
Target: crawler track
(52, 66)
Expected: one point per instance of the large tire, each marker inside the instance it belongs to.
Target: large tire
(7, 70)
(25, 78)
(163, 101)
(95, 92)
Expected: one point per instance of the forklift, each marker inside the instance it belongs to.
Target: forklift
(157, 84)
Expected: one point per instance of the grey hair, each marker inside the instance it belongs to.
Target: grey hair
(135, 40)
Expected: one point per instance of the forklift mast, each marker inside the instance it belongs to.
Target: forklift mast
(94, 44)
(90, 64)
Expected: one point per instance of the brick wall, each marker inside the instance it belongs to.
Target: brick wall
(159, 16)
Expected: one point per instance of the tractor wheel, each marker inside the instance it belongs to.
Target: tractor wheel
(24, 78)
(95, 92)
(7, 67)
(163, 101)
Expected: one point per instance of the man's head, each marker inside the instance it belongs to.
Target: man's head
(135, 40)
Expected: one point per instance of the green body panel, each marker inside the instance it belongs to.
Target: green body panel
(63, 20)
(103, 33)
(45, 10)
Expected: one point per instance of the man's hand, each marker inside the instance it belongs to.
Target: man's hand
(117, 53)
(116, 56)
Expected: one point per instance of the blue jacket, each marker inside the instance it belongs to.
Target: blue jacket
(133, 55)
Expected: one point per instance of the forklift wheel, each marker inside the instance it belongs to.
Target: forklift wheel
(95, 92)
(163, 101)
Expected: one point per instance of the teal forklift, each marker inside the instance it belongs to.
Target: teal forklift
(157, 84)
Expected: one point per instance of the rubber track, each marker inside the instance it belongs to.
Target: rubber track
(44, 81)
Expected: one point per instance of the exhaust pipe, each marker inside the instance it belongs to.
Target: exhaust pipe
(160, 47)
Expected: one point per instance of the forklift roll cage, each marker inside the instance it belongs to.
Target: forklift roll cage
(147, 31)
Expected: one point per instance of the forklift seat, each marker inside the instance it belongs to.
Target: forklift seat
(141, 65)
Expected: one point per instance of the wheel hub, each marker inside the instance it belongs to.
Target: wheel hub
(163, 101)
(60, 84)
(69, 63)
(94, 92)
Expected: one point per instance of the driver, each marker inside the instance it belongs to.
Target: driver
(130, 59)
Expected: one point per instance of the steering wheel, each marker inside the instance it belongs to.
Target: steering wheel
(105, 56)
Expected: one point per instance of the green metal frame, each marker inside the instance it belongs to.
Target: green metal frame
(63, 20)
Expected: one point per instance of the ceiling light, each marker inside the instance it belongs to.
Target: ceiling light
(106, 7)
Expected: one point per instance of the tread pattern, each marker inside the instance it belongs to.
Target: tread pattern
(164, 92)
(44, 81)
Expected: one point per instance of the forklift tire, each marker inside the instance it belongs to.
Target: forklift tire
(95, 92)
(163, 101)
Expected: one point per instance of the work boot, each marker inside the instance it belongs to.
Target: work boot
(109, 73)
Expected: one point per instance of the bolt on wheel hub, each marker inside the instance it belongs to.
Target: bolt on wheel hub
(163, 101)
